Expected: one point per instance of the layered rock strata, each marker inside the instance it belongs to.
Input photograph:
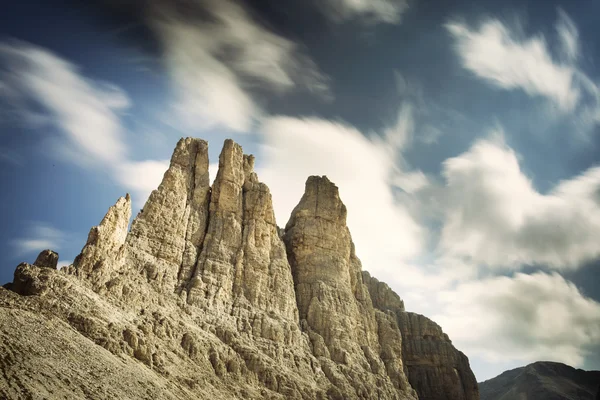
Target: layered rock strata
(435, 368)
(205, 297)
(334, 305)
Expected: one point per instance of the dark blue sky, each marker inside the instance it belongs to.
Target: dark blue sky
(465, 134)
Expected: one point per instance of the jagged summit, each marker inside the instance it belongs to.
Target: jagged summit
(322, 199)
(205, 297)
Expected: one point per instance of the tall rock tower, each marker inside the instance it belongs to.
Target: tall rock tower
(205, 297)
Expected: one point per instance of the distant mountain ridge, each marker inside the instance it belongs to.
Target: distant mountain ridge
(543, 380)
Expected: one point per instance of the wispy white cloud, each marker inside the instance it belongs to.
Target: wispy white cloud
(84, 111)
(373, 11)
(39, 236)
(215, 64)
(76, 106)
(410, 182)
(497, 55)
(399, 135)
(513, 61)
(568, 36)
(208, 94)
(426, 114)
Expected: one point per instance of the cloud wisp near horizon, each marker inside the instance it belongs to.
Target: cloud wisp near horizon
(452, 202)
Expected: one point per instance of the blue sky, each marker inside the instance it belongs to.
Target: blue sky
(464, 137)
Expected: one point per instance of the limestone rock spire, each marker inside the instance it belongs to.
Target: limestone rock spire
(47, 259)
(243, 259)
(334, 305)
(324, 267)
(166, 235)
(213, 276)
(103, 250)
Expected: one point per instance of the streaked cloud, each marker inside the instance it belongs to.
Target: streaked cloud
(372, 11)
(568, 36)
(214, 64)
(39, 236)
(84, 111)
(208, 94)
(494, 53)
(512, 61)
(89, 124)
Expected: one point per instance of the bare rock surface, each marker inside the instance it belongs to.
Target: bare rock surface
(436, 369)
(166, 235)
(103, 251)
(47, 259)
(354, 344)
(205, 297)
(543, 380)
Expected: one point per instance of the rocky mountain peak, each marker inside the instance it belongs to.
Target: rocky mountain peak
(321, 199)
(205, 297)
(543, 380)
(166, 235)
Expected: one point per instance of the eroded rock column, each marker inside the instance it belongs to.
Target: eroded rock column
(104, 250)
(359, 348)
(323, 264)
(212, 282)
(243, 260)
(166, 236)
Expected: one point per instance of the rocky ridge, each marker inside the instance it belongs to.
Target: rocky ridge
(543, 380)
(435, 368)
(205, 296)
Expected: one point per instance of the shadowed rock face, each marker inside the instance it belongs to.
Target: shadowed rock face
(435, 368)
(543, 380)
(205, 297)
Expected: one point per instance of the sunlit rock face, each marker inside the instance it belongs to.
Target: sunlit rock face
(335, 309)
(205, 297)
(166, 236)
